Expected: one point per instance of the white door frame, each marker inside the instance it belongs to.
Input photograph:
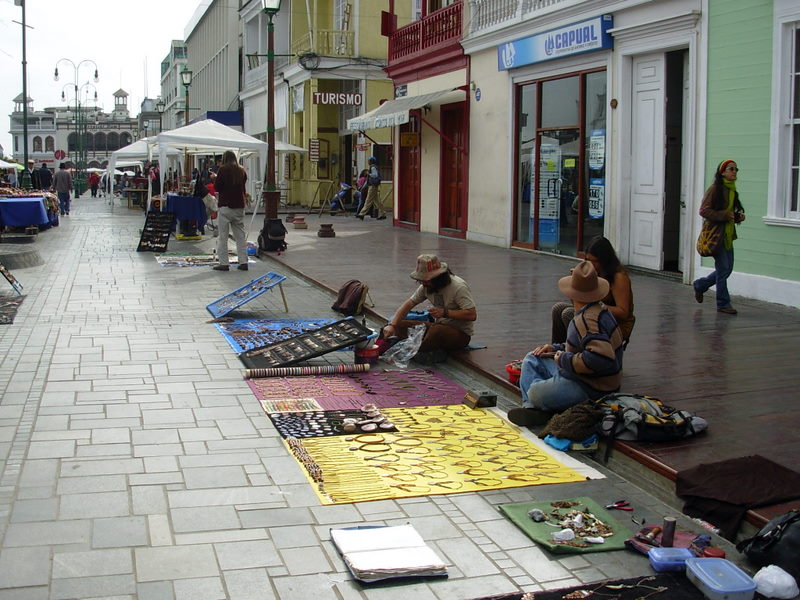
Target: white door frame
(675, 33)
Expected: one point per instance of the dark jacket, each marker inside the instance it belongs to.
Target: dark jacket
(229, 184)
(45, 178)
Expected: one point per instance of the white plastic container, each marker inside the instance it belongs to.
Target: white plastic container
(720, 579)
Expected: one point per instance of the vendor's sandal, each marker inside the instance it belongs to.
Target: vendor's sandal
(527, 417)
(728, 310)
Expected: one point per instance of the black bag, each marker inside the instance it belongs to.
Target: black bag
(276, 237)
(351, 298)
(778, 543)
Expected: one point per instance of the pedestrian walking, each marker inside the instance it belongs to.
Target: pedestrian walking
(721, 204)
(45, 177)
(62, 182)
(373, 191)
(94, 183)
(230, 188)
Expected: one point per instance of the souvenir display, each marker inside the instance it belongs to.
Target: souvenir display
(243, 295)
(247, 334)
(156, 231)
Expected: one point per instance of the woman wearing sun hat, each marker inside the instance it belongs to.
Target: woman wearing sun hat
(587, 367)
(453, 309)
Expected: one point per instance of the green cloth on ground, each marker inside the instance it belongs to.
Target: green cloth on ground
(541, 533)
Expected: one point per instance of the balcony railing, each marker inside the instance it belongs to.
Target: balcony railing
(485, 14)
(325, 42)
(441, 26)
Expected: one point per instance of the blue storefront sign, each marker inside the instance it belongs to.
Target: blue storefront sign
(585, 36)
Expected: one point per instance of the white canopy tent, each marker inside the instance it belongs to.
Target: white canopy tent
(131, 155)
(209, 137)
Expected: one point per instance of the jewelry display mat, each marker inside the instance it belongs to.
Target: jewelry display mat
(246, 293)
(305, 346)
(247, 334)
(311, 423)
(383, 388)
(437, 450)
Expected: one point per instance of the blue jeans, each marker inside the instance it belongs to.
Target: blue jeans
(63, 202)
(723, 267)
(544, 388)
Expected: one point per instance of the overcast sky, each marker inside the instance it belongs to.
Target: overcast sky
(127, 40)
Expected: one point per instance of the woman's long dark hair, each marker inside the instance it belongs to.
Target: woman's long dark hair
(719, 199)
(601, 248)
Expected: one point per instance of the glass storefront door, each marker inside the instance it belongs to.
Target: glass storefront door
(560, 163)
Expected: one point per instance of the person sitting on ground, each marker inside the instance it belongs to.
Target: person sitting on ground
(619, 300)
(453, 310)
(589, 366)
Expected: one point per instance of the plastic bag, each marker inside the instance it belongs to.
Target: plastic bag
(774, 582)
(404, 350)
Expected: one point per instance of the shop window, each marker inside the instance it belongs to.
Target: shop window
(37, 144)
(560, 162)
(784, 189)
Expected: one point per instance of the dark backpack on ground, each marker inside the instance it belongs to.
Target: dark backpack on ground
(351, 298)
(633, 417)
(276, 237)
(778, 543)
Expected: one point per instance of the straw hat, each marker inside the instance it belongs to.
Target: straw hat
(584, 285)
(428, 267)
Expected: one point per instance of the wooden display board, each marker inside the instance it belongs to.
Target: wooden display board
(11, 279)
(155, 234)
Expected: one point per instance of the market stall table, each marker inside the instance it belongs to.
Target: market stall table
(137, 197)
(23, 212)
(190, 213)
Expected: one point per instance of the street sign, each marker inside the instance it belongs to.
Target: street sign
(59, 155)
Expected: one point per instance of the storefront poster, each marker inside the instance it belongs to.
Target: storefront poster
(597, 149)
(597, 198)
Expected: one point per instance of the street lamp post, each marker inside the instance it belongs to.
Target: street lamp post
(26, 178)
(270, 194)
(186, 80)
(160, 109)
(80, 150)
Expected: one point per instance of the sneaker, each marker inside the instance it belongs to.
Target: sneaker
(527, 417)
(243, 267)
(383, 218)
(361, 217)
(728, 310)
(221, 268)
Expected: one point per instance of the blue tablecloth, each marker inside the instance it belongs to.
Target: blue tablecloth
(21, 212)
(187, 208)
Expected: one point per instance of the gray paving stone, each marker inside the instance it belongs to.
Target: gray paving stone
(216, 497)
(295, 536)
(236, 428)
(159, 530)
(94, 505)
(215, 477)
(175, 562)
(204, 588)
(504, 533)
(51, 449)
(206, 518)
(43, 509)
(160, 464)
(158, 590)
(199, 434)
(247, 555)
(304, 561)
(248, 584)
(156, 478)
(78, 468)
(30, 593)
(319, 587)
(275, 516)
(147, 450)
(99, 483)
(51, 533)
(92, 587)
(157, 418)
(465, 555)
(220, 537)
(92, 563)
(119, 532)
(216, 460)
(23, 567)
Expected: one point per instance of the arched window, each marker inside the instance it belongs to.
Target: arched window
(37, 144)
(89, 145)
(125, 139)
(72, 142)
(100, 142)
(112, 141)
(49, 144)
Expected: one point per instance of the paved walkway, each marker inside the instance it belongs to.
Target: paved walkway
(136, 463)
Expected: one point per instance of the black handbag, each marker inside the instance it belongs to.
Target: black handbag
(778, 543)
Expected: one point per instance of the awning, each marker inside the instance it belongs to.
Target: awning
(395, 112)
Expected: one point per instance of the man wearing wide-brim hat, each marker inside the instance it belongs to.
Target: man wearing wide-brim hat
(589, 366)
(452, 309)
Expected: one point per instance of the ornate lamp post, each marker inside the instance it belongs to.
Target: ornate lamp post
(270, 194)
(80, 146)
(160, 109)
(186, 80)
(26, 179)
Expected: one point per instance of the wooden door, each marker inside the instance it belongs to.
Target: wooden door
(408, 175)
(453, 205)
(647, 161)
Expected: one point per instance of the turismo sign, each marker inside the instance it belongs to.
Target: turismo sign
(345, 99)
(585, 36)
